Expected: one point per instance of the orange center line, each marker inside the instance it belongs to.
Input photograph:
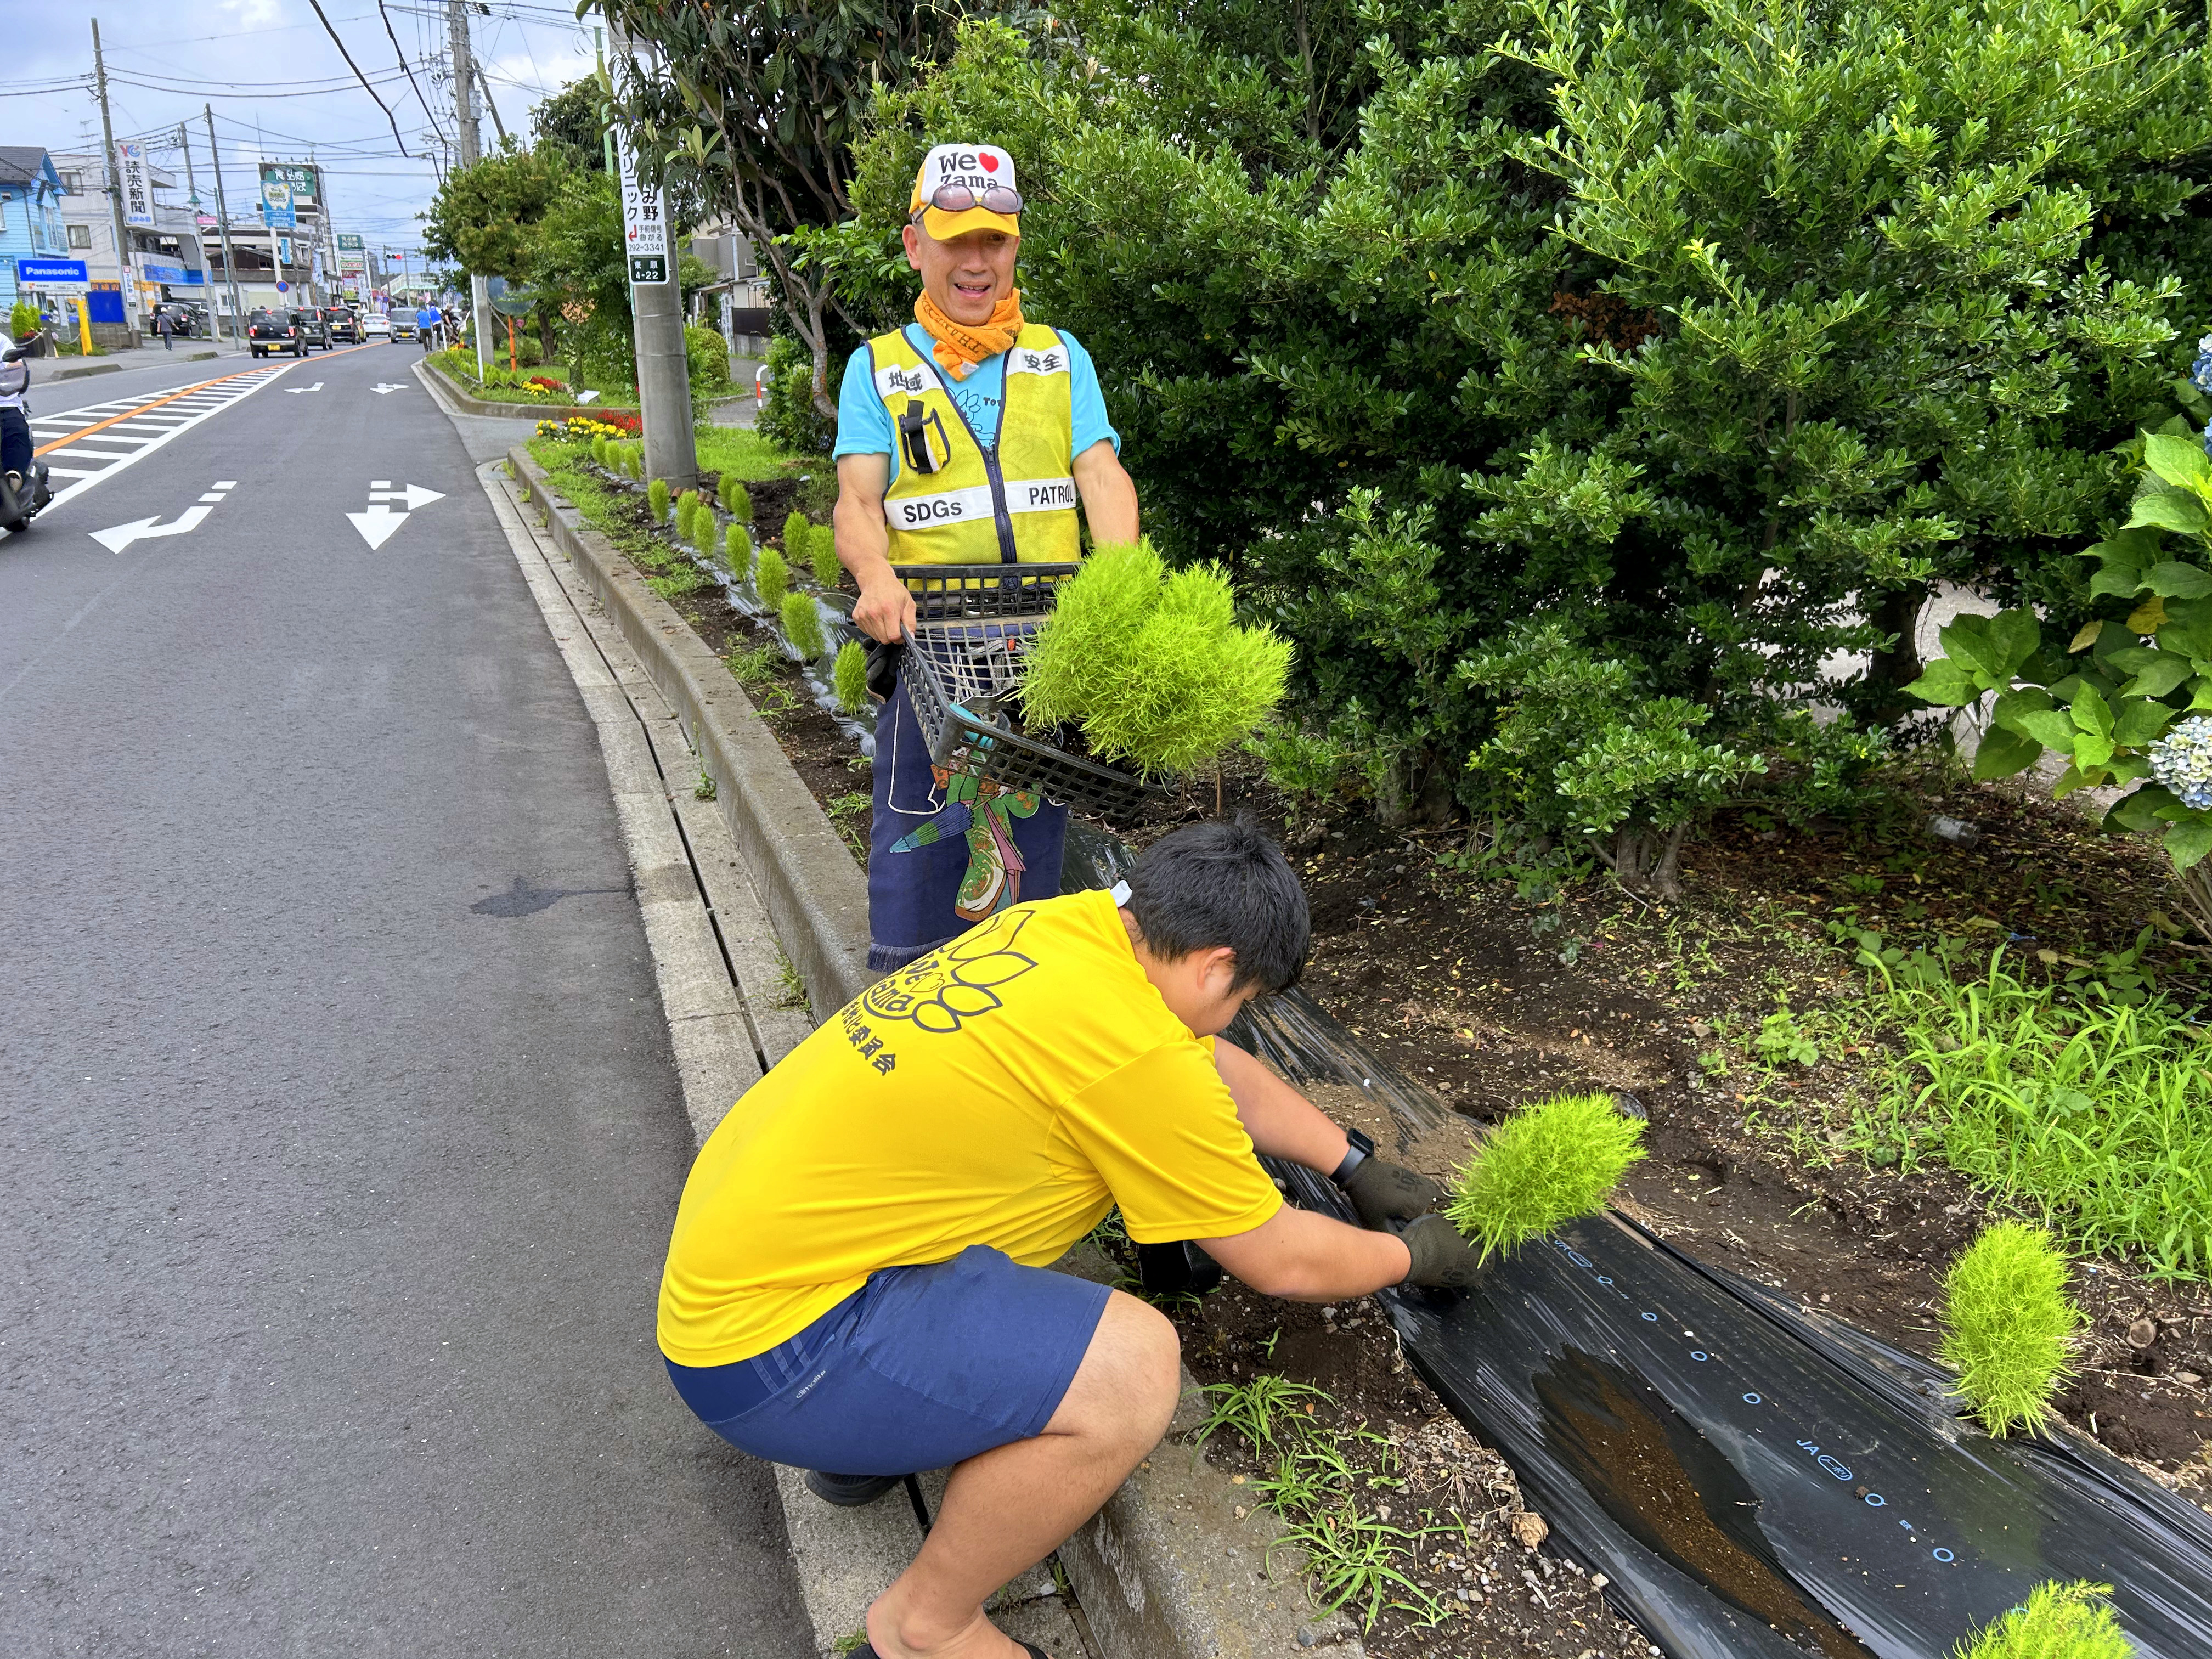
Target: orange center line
(181, 391)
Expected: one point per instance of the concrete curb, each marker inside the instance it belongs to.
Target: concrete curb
(814, 894)
(83, 369)
(1169, 1569)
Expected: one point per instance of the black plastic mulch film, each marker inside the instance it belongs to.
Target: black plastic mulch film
(1753, 1479)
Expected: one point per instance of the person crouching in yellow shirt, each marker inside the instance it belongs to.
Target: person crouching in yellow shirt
(857, 1282)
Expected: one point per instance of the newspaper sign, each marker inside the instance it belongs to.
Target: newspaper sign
(645, 222)
(130, 179)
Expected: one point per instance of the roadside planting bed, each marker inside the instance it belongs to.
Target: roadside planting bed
(1817, 1032)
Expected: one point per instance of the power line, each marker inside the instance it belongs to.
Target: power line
(411, 82)
(358, 76)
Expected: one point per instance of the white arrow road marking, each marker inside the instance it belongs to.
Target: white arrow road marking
(380, 387)
(415, 496)
(297, 390)
(377, 524)
(139, 529)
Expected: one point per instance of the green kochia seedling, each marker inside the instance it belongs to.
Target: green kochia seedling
(599, 450)
(771, 578)
(796, 529)
(686, 504)
(737, 552)
(2057, 1621)
(1151, 665)
(735, 500)
(2008, 1325)
(802, 625)
(850, 679)
(822, 553)
(703, 531)
(1546, 1165)
(656, 498)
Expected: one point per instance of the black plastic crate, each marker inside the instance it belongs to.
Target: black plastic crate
(963, 667)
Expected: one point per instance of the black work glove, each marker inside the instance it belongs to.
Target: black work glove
(884, 668)
(1442, 1259)
(1384, 1191)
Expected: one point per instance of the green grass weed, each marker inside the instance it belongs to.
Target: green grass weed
(739, 453)
(1543, 1167)
(849, 678)
(802, 625)
(685, 579)
(738, 551)
(656, 498)
(2057, 1621)
(771, 578)
(1357, 1560)
(2008, 1325)
(2093, 1110)
(1269, 1411)
(848, 816)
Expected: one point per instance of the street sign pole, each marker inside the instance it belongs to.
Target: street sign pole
(664, 377)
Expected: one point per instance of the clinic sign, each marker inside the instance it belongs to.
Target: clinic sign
(299, 178)
(132, 180)
(645, 219)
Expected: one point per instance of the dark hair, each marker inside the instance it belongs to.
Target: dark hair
(1218, 884)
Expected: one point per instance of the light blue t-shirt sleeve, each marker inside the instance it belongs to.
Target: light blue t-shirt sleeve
(864, 424)
(1086, 403)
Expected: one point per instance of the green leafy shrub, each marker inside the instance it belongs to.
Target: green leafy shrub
(23, 320)
(771, 578)
(802, 625)
(738, 551)
(2008, 1325)
(737, 500)
(656, 500)
(849, 678)
(1546, 1166)
(707, 356)
(1157, 672)
(2057, 1621)
(788, 418)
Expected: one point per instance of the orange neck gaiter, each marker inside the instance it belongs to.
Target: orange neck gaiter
(958, 347)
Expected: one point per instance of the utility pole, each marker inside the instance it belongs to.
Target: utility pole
(222, 218)
(199, 236)
(664, 374)
(465, 117)
(114, 190)
(491, 103)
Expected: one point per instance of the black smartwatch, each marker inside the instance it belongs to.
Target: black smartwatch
(1360, 1150)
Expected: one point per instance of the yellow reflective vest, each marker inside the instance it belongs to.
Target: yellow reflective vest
(956, 502)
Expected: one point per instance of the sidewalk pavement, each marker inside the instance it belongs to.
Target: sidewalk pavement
(186, 350)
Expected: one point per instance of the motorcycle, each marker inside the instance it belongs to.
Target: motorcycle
(20, 502)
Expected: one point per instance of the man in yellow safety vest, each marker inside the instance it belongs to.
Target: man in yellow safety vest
(968, 437)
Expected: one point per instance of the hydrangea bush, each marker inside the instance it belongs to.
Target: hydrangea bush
(2126, 695)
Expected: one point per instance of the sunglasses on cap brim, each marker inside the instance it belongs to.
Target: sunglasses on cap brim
(958, 198)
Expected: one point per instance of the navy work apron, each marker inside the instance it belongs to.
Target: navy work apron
(944, 853)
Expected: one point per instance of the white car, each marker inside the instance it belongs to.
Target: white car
(375, 326)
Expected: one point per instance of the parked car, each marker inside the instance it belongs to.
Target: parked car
(268, 332)
(187, 321)
(313, 326)
(345, 323)
(375, 326)
(402, 325)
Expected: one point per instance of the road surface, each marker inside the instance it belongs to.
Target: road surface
(340, 1128)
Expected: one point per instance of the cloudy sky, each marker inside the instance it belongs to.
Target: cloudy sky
(282, 90)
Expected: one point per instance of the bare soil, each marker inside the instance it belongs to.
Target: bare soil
(1493, 999)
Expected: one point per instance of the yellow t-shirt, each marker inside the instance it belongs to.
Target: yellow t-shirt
(1005, 1089)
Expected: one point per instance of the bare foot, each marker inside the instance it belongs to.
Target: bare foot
(979, 1638)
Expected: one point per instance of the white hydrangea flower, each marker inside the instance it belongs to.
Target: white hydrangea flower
(2181, 760)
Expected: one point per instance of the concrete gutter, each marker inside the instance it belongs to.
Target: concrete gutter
(814, 894)
(1169, 1568)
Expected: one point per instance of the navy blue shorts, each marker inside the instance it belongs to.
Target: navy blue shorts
(919, 1368)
